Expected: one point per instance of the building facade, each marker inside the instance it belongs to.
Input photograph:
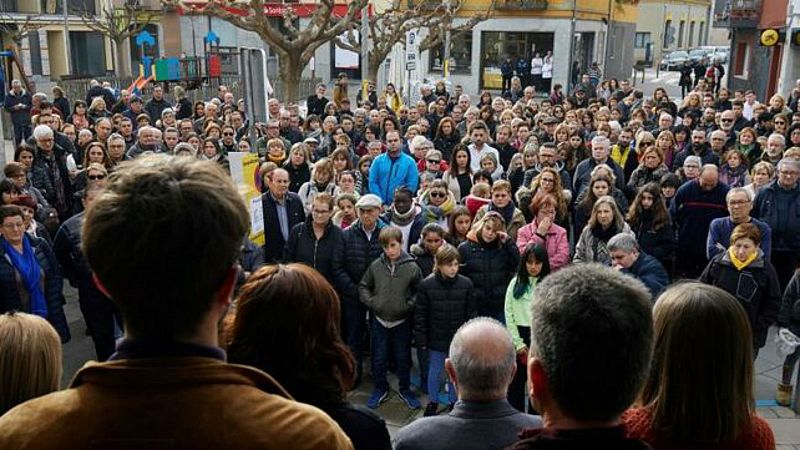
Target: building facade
(43, 50)
(668, 25)
(756, 58)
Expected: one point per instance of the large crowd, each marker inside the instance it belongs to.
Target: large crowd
(484, 251)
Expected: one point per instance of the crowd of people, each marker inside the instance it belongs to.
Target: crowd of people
(472, 242)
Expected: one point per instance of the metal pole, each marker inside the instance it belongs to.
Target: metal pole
(608, 40)
(66, 36)
(365, 54)
(446, 56)
(571, 60)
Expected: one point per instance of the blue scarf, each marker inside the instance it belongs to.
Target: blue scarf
(30, 272)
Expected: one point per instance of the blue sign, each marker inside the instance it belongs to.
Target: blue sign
(147, 63)
(145, 38)
(211, 38)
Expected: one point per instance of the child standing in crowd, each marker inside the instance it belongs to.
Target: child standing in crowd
(388, 289)
(445, 301)
(490, 257)
(534, 265)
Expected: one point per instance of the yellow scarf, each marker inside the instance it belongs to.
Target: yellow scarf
(741, 264)
(619, 156)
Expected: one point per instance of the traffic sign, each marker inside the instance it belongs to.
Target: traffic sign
(769, 37)
(411, 65)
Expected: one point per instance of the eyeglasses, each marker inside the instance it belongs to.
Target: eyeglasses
(13, 225)
(738, 202)
(726, 120)
(780, 122)
(227, 134)
(96, 177)
(438, 195)
(434, 161)
(548, 180)
(789, 173)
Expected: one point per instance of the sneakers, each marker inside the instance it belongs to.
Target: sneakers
(409, 398)
(784, 394)
(378, 396)
(431, 410)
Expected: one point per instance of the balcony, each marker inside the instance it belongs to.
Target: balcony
(521, 5)
(738, 14)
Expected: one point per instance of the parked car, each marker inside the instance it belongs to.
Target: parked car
(722, 53)
(674, 60)
(698, 54)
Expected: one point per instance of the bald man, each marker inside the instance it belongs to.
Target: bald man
(482, 364)
(694, 206)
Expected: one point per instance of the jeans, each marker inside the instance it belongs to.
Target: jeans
(788, 366)
(399, 338)
(435, 369)
(100, 314)
(517, 392)
(354, 315)
(21, 133)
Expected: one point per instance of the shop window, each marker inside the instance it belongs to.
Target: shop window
(741, 59)
(460, 55)
(496, 45)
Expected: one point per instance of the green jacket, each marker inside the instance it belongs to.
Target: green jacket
(389, 290)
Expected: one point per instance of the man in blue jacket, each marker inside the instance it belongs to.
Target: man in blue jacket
(18, 104)
(694, 206)
(740, 204)
(628, 258)
(392, 169)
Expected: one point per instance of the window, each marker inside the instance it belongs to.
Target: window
(460, 54)
(668, 34)
(642, 39)
(680, 33)
(741, 60)
(496, 45)
(691, 34)
(700, 35)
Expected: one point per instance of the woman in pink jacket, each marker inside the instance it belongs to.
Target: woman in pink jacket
(543, 230)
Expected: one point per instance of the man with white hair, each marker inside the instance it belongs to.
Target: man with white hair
(778, 204)
(601, 148)
(18, 103)
(49, 173)
(776, 144)
(481, 365)
(627, 257)
(147, 140)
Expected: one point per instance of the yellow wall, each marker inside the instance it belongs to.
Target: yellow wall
(584, 10)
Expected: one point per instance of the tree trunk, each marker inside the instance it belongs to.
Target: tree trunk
(290, 68)
(372, 73)
(121, 60)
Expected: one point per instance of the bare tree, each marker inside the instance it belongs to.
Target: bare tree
(389, 27)
(118, 24)
(17, 32)
(294, 45)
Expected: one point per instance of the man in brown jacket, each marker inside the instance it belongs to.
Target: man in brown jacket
(163, 241)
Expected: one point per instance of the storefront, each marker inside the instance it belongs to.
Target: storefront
(497, 45)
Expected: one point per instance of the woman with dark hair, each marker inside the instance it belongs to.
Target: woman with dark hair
(459, 175)
(80, 117)
(605, 222)
(599, 186)
(287, 324)
(447, 137)
(699, 394)
(9, 192)
(745, 273)
(212, 152)
(649, 218)
(30, 277)
(534, 265)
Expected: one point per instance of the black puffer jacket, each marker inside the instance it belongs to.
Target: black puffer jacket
(303, 247)
(658, 243)
(755, 286)
(490, 267)
(442, 306)
(789, 316)
(352, 257)
(423, 259)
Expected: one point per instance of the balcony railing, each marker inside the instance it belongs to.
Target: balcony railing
(522, 5)
(738, 14)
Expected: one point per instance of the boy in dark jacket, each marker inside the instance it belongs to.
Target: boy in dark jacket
(388, 289)
(445, 301)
